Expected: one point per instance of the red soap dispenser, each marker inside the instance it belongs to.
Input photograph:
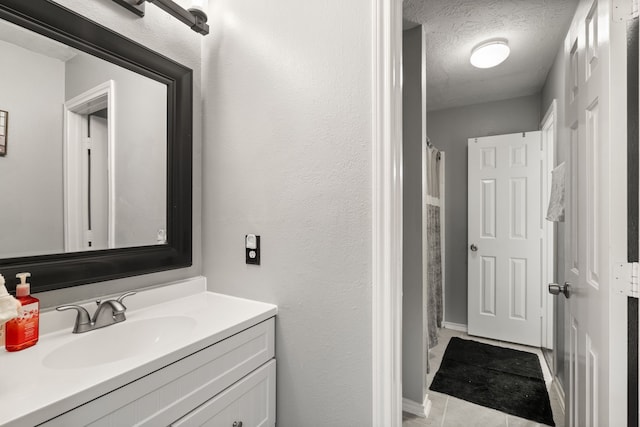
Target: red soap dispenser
(23, 331)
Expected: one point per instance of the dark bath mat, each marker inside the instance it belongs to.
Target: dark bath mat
(501, 378)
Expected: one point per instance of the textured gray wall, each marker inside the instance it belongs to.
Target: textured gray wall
(288, 156)
(554, 88)
(32, 91)
(414, 345)
(449, 130)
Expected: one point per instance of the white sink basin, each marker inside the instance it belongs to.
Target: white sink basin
(120, 341)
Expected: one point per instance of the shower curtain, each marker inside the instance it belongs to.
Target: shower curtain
(434, 245)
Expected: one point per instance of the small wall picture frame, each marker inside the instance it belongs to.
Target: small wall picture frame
(4, 134)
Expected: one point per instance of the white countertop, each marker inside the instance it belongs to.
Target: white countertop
(31, 393)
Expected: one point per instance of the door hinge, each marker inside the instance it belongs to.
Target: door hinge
(626, 281)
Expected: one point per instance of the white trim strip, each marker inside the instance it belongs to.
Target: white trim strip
(559, 393)
(455, 326)
(100, 96)
(387, 214)
(412, 407)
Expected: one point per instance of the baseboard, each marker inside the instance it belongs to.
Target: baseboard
(415, 408)
(455, 326)
(559, 393)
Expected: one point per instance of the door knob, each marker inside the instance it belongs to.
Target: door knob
(473, 247)
(556, 289)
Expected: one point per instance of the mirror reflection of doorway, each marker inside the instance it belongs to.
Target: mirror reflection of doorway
(88, 172)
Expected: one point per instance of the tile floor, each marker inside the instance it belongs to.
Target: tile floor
(448, 411)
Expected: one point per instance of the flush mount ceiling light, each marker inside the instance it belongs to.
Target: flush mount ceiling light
(195, 17)
(489, 54)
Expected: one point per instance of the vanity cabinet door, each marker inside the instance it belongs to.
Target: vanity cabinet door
(168, 394)
(251, 402)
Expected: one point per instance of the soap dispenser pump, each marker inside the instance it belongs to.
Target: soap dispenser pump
(23, 331)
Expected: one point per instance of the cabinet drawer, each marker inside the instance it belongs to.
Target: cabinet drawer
(167, 394)
(249, 403)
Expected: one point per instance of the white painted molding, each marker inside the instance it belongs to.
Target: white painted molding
(386, 404)
(427, 406)
(547, 261)
(72, 182)
(111, 155)
(443, 225)
(559, 393)
(455, 326)
(96, 98)
(552, 113)
(421, 410)
(426, 198)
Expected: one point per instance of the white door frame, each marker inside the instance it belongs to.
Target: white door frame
(426, 402)
(548, 230)
(386, 304)
(443, 218)
(95, 99)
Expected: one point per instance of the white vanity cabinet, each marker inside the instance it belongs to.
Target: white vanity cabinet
(248, 403)
(231, 381)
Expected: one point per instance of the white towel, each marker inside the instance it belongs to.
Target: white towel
(8, 306)
(555, 212)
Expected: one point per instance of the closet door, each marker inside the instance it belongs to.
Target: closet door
(596, 219)
(505, 236)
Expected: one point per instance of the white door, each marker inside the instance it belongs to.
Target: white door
(595, 229)
(504, 237)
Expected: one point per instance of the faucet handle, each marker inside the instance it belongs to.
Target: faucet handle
(123, 296)
(83, 320)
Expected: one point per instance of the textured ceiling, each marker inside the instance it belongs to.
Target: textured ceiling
(535, 30)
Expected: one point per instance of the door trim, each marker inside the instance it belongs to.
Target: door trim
(87, 102)
(548, 270)
(633, 207)
(386, 295)
(443, 234)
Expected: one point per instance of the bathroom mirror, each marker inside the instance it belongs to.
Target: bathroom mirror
(97, 183)
(92, 173)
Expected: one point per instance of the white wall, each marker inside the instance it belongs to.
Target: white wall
(167, 36)
(288, 156)
(32, 91)
(449, 130)
(414, 342)
(140, 145)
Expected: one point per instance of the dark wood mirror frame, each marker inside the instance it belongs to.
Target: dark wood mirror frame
(64, 270)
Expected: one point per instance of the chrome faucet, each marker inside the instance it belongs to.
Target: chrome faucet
(108, 312)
